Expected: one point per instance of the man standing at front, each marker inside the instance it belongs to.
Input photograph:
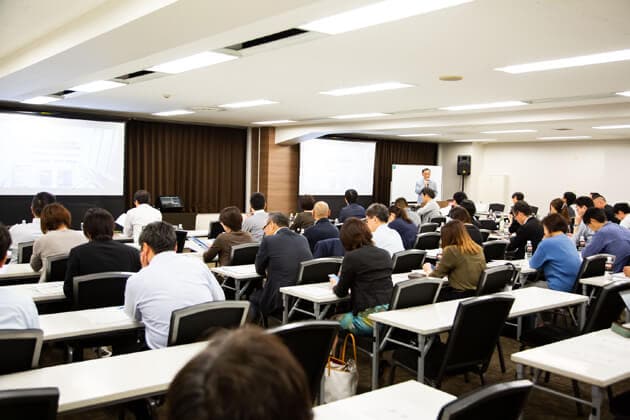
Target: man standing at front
(166, 282)
(426, 182)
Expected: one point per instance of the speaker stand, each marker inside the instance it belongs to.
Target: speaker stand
(462, 190)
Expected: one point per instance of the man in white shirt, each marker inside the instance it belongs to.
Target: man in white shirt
(140, 216)
(622, 213)
(377, 216)
(17, 310)
(166, 282)
(257, 219)
(27, 232)
(430, 207)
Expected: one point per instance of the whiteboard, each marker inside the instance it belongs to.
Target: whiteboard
(404, 179)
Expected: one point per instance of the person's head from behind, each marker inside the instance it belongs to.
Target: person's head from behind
(518, 196)
(98, 224)
(376, 215)
(231, 219)
(351, 196)
(594, 218)
(354, 234)
(459, 196)
(554, 224)
(621, 210)
(53, 217)
(396, 212)
(307, 202)
(155, 238)
(275, 222)
(470, 207)
(257, 201)
(242, 362)
(583, 203)
(521, 211)
(141, 197)
(321, 210)
(41, 200)
(599, 201)
(427, 194)
(401, 202)
(557, 206)
(426, 173)
(461, 214)
(454, 233)
(5, 243)
(569, 198)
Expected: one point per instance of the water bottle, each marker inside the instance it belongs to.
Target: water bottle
(529, 249)
(180, 227)
(582, 243)
(608, 268)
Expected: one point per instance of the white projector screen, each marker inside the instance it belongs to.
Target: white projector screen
(60, 155)
(330, 167)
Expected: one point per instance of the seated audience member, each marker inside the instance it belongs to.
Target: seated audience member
(470, 207)
(400, 222)
(568, 198)
(462, 261)
(367, 271)
(235, 363)
(626, 271)
(305, 218)
(609, 238)
(556, 206)
(58, 238)
(430, 207)
(166, 282)
(323, 228)
(582, 204)
(232, 221)
(384, 237)
(17, 310)
(599, 202)
(27, 232)
(556, 255)
(255, 222)
(458, 197)
(413, 216)
(530, 230)
(279, 257)
(101, 253)
(141, 215)
(622, 213)
(352, 208)
(514, 225)
(461, 214)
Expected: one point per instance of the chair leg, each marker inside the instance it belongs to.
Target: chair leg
(466, 378)
(576, 393)
(392, 372)
(501, 359)
(547, 375)
(483, 381)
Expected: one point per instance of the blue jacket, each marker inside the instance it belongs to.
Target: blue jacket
(611, 239)
(351, 210)
(407, 231)
(322, 229)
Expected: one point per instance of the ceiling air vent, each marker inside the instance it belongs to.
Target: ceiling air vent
(267, 39)
(134, 75)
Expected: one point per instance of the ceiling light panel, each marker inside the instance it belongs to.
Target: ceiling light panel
(272, 122)
(248, 104)
(564, 138)
(40, 100)
(626, 93)
(358, 116)
(473, 140)
(563, 63)
(173, 112)
(419, 135)
(490, 105)
(204, 59)
(97, 86)
(357, 90)
(612, 127)
(509, 131)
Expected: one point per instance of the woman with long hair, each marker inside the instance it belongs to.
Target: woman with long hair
(556, 206)
(401, 223)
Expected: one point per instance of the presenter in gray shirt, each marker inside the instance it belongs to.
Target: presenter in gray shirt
(426, 182)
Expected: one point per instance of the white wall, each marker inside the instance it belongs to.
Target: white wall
(542, 170)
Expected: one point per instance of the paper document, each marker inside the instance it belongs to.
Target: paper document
(318, 291)
(241, 269)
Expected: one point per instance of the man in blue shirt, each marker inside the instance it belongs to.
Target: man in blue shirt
(609, 238)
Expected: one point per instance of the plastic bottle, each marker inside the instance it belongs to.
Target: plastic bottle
(529, 249)
(608, 268)
(582, 243)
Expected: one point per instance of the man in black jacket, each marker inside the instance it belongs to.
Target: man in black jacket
(322, 229)
(530, 230)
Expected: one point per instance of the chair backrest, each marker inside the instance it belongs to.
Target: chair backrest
(592, 266)
(428, 227)
(476, 329)
(440, 220)
(181, 240)
(215, 229)
(29, 403)
(495, 279)
(488, 224)
(310, 343)
(331, 247)
(19, 350)
(495, 250)
(99, 290)
(197, 322)
(429, 240)
(244, 254)
(56, 267)
(534, 210)
(317, 270)
(25, 250)
(496, 207)
(405, 261)
(415, 292)
(507, 399)
(485, 233)
(607, 307)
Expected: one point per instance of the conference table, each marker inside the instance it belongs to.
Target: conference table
(40, 292)
(242, 275)
(429, 320)
(18, 273)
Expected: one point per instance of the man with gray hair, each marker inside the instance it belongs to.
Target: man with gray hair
(166, 282)
(383, 236)
(322, 229)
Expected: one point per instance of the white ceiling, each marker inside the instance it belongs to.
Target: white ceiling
(469, 40)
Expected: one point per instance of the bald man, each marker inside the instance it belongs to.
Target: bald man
(322, 229)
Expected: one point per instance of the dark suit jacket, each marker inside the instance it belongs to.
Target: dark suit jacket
(351, 210)
(532, 230)
(98, 257)
(474, 232)
(278, 258)
(322, 229)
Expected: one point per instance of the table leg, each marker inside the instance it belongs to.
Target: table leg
(519, 371)
(582, 315)
(375, 356)
(316, 309)
(584, 291)
(421, 342)
(285, 311)
(596, 400)
(519, 328)
(237, 289)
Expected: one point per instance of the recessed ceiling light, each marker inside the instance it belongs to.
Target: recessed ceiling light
(365, 115)
(356, 90)
(509, 131)
(503, 104)
(564, 138)
(247, 104)
(451, 78)
(563, 63)
(40, 100)
(374, 14)
(612, 127)
(97, 86)
(419, 135)
(206, 58)
(173, 112)
(473, 140)
(273, 122)
(626, 93)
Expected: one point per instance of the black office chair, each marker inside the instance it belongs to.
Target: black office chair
(317, 270)
(534, 210)
(495, 250)
(471, 342)
(198, 322)
(428, 227)
(496, 207)
(215, 229)
(56, 267)
(593, 266)
(489, 224)
(485, 233)
(440, 220)
(505, 400)
(429, 240)
(19, 350)
(244, 254)
(99, 290)
(24, 252)
(181, 240)
(310, 343)
(29, 403)
(408, 260)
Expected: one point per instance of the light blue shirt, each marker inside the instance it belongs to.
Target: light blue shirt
(169, 282)
(255, 223)
(388, 239)
(560, 261)
(17, 311)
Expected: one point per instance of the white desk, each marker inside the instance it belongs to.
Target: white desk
(107, 381)
(406, 400)
(429, 320)
(241, 274)
(17, 271)
(521, 265)
(40, 292)
(599, 359)
(600, 281)
(200, 233)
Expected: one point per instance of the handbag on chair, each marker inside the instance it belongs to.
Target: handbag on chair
(341, 376)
